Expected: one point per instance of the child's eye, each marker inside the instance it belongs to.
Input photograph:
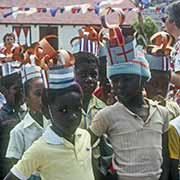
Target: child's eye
(64, 110)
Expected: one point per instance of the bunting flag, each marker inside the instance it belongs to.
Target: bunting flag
(74, 9)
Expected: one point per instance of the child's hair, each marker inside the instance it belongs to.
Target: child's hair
(85, 57)
(49, 95)
(9, 80)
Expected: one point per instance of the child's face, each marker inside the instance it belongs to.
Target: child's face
(87, 76)
(66, 112)
(126, 86)
(158, 85)
(34, 97)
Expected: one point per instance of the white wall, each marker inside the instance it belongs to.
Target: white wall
(65, 34)
(3, 30)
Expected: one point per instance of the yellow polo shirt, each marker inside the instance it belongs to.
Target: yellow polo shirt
(174, 139)
(56, 158)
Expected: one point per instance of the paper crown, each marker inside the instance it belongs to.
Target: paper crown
(10, 67)
(160, 63)
(87, 41)
(61, 74)
(158, 52)
(121, 55)
(30, 71)
(59, 77)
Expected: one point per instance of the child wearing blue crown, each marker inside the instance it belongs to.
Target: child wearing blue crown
(134, 125)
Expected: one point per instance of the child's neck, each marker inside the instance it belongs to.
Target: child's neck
(37, 116)
(139, 106)
(70, 138)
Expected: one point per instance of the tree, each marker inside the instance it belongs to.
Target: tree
(149, 28)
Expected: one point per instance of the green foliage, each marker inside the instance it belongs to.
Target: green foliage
(149, 28)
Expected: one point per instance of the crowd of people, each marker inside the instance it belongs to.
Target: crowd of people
(104, 111)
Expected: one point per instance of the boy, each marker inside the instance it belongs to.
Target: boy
(9, 114)
(87, 74)
(63, 152)
(158, 85)
(134, 125)
(32, 126)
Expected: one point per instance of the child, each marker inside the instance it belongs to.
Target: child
(86, 73)
(9, 114)
(31, 127)
(158, 85)
(64, 151)
(134, 125)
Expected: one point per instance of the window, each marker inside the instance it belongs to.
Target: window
(22, 34)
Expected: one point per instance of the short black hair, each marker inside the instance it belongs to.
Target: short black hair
(85, 57)
(49, 95)
(174, 12)
(9, 80)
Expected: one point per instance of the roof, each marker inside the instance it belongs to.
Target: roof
(67, 18)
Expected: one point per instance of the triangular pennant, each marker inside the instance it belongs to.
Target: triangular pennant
(62, 10)
(53, 11)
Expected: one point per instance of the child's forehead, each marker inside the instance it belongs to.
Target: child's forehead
(86, 65)
(68, 98)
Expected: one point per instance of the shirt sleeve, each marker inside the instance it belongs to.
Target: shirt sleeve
(173, 143)
(99, 124)
(31, 161)
(16, 144)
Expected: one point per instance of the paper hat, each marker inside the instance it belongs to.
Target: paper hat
(159, 63)
(87, 41)
(59, 77)
(121, 55)
(125, 60)
(29, 71)
(61, 74)
(10, 67)
(158, 52)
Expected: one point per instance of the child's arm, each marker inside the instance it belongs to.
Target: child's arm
(98, 127)
(174, 148)
(165, 154)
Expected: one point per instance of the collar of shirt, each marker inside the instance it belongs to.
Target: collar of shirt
(95, 103)
(152, 108)
(52, 138)
(28, 121)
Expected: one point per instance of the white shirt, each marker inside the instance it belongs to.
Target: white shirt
(23, 135)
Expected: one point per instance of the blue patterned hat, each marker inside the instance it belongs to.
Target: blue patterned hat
(10, 67)
(87, 41)
(30, 71)
(160, 63)
(60, 77)
(125, 59)
(61, 74)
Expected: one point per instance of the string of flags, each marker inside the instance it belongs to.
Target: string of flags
(74, 9)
